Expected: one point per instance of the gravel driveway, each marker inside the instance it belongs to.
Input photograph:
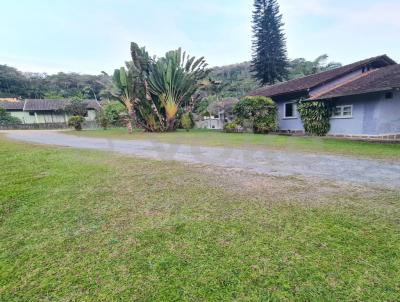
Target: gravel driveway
(280, 163)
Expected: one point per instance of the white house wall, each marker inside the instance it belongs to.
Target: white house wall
(349, 125)
(389, 112)
(50, 118)
(91, 116)
(41, 117)
(373, 114)
(23, 116)
(288, 124)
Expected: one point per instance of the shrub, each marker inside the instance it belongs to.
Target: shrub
(116, 114)
(103, 120)
(186, 121)
(76, 107)
(231, 127)
(7, 119)
(315, 117)
(258, 111)
(76, 121)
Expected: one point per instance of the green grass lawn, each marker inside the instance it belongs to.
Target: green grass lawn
(79, 225)
(268, 142)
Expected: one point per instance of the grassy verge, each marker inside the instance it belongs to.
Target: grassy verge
(267, 142)
(89, 226)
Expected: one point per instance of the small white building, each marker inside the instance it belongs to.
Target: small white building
(46, 111)
(214, 122)
(221, 113)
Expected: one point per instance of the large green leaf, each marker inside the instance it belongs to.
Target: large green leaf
(123, 77)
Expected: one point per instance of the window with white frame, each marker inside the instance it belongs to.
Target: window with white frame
(290, 110)
(343, 111)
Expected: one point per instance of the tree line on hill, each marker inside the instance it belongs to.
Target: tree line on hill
(30, 85)
(234, 80)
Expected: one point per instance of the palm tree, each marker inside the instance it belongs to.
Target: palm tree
(142, 63)
(125, 91)
(301, 67)
(320, 64)
(155, 90)
(174, 79)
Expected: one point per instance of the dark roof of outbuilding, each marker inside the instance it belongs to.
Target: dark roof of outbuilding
(54, 105)
(12, 105)
(382, 79)
(44, 105)
(93, 104)
(308, 82)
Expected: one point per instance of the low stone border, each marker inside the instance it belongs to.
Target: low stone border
(34, 126)
(388, 138)
(44, 126)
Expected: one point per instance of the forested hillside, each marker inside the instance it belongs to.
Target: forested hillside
(14, 83)
(236, 80)
(229, 81)
(233, 80)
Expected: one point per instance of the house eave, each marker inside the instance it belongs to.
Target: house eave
(305, 91)
(332, 96)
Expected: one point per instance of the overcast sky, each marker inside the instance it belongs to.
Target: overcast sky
(89, 36)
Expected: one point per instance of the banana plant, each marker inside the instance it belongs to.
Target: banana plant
(125, 91)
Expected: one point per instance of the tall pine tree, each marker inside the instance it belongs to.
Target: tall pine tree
(269, 62)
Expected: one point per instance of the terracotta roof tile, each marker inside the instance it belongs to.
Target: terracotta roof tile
(385, 78)
(308, 82)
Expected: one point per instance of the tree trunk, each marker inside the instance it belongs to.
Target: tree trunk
(154, 107)
(131, 114)
(129, 126)
(171, 125)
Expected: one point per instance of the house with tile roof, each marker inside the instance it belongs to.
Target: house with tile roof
(47, 111)
(365, 94)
